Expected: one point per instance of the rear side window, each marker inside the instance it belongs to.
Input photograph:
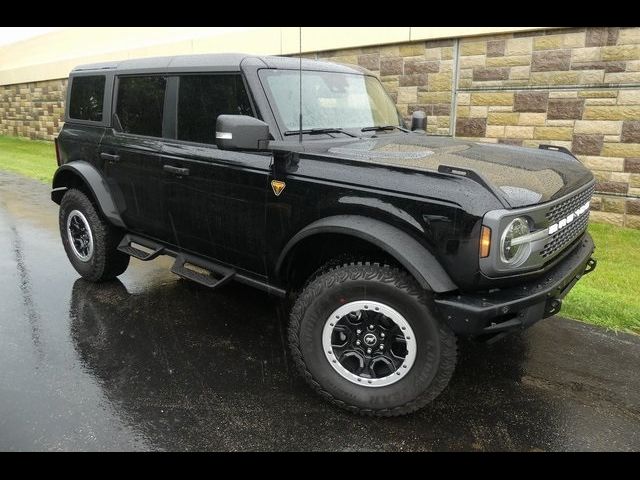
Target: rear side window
(87, 98)
(202, 98)
(140, 104)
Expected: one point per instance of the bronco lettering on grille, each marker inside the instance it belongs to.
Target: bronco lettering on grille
(568, 219)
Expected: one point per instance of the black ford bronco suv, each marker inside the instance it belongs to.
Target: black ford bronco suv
(388, 243)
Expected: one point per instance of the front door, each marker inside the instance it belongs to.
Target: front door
(215, 199)
(216, 203)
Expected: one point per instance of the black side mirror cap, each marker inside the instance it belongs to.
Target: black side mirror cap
(241, 132)
(419, 121)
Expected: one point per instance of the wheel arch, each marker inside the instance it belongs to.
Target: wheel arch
(395, 243)
(83, 174)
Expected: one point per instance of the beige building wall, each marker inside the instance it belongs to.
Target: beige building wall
(578, 88)
(53, 55)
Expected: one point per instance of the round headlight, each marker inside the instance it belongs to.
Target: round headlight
(512, 252)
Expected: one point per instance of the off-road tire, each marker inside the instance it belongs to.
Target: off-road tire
(436, 343)
(106, 262)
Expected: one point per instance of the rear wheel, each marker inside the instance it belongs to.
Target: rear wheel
(365, 338)
(89, 240)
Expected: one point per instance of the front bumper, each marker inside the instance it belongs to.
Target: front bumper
(518, 307)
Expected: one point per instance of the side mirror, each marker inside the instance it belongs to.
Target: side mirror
(419, 121)
(241, 132)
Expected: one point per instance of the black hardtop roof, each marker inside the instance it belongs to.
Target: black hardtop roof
(212, 62)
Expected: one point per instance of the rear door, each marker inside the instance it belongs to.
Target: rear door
(215, 199)
(131, 154)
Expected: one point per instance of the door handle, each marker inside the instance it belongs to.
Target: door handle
(176, 170)
(110, 157)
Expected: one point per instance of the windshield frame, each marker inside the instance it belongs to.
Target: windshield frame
(282, 128)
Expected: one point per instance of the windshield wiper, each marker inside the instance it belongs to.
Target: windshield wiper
(380, 128)
(317, 131)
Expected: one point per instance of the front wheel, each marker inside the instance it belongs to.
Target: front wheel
(365, 338)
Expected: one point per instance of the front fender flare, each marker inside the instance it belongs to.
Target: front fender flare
(413, 256)
(94, 181)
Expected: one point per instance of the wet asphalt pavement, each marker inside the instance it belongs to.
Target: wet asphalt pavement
(152, 362)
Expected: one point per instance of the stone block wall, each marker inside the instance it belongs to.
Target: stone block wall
(33, 110)
(578, 88)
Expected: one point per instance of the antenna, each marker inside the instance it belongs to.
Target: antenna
(300, 56)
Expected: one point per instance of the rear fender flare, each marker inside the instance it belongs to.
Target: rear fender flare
(94, 181)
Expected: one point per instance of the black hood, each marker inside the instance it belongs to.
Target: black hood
(523, 176)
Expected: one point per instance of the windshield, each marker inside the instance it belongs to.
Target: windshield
(329, 100)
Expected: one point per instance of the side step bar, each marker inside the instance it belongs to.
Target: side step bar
(202, 272)
(192, 267)
(126, 246)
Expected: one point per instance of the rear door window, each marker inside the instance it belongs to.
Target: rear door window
(140, 104)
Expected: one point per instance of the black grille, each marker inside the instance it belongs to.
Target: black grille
(571, 231)
(565, 236)
(562, 210)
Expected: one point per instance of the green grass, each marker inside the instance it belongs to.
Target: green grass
(609, 297)
(33, 158)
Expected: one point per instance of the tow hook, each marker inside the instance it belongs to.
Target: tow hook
(591, 265)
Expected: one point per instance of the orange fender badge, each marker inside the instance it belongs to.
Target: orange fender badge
(278, 187)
